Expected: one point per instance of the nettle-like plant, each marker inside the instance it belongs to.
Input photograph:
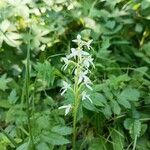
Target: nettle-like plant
(80, 62)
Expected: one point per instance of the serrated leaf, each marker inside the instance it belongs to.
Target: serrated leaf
(122, 101)
(45, 73)
(110, 24)
(98, 99)
(62, 130)
(130, 94)
(107, 111)
(44, 146)
(3, 82)
(134, 127)
(12, 98)
(54, 138)
(43, 122)
(115, 107)
(88, 105)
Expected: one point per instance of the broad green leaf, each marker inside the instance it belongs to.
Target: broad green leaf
(88, 105)
(4, 104)
(145, 4)
(44, 146)
(128, 123)
(62, 130)
(98, 99)
(15, 114)
(43, 122)
(54, 138)
(124, 102)
(115, 107)
(110, 24)
(107, 111)
(130, 94)
(134, 127)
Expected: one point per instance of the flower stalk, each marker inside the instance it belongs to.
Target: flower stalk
(80, 61)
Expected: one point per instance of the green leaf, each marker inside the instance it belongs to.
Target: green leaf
(138, 28)
(54, 138)
(43, 146)
(110, 24)
(143, 129)
(130, 94)
(43, 122)
(142, 70)
(122, 101)
(3, 82)
(117, 139)
(4, 104)
(62, 130)
(24, 146)
(38, 36)
(128, 123)
(134, 127)
(98, 99)
(88, 105)
(12, 98)
(107, 111)
(45, 73)
(98, 144)
(115, 107)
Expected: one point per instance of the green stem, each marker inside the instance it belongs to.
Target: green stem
(134, 145)
(76, 104)
(27, 84)
(74, 127)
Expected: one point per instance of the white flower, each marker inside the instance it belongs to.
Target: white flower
(67, 61)
(87, 82)
(65, 87)
(87, 44)
(77, 53)
(88, 61)
(82, 76)
(67, 108)
(74, 53)
(78, 40)
(86, 96)
(84, 53)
